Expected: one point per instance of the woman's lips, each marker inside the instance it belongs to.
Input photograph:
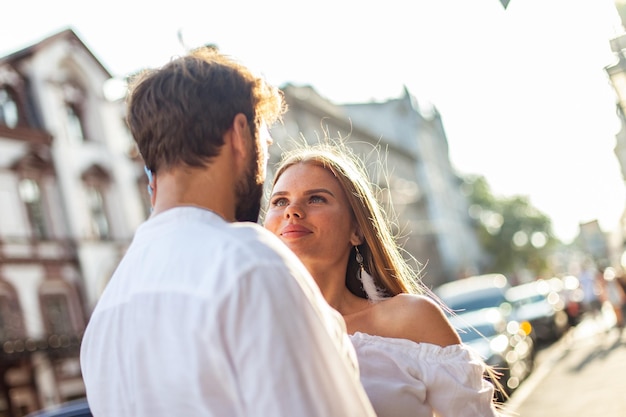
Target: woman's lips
(294, 231)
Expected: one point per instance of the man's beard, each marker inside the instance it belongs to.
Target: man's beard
(249, 192)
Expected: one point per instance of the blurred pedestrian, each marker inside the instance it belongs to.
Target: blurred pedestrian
(412, 362)
(205, 316)
(613, 294)
(621, 280)
(590, 285)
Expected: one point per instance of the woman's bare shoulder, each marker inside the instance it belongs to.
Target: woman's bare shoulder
(417, 318)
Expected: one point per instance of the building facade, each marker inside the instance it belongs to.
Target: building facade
(70, 201)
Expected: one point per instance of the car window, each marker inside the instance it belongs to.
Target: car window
(478, 302)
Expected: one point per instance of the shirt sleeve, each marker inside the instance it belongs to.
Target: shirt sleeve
(288, 348)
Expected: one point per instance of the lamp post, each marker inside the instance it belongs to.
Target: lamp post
(617, 71)
(617, 75)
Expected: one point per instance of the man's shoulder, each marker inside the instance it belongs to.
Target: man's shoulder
(257, 248)
(255, 237)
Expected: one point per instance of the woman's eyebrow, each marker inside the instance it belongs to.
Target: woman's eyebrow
(307, 192)
(319, 190)
(278, 193)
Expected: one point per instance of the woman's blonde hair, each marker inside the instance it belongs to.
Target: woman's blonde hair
(382, 255)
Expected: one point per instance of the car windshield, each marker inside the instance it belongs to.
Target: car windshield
(477, 302)
(530, 293)
(538, 298)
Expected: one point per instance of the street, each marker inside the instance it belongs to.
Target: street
(582, 374)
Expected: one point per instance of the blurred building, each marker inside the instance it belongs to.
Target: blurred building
(70, 201)
(595, 243)
(406, 152)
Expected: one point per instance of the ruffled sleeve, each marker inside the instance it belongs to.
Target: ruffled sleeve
(408, 379)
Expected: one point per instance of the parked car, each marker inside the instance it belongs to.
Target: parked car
(540, 305)
(474, 293)
(503, 344)
(76, 408)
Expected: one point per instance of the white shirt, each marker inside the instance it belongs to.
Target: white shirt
(407, 379)
(208, 318)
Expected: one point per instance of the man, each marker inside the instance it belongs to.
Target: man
(207, 316)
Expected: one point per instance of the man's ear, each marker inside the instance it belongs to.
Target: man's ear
(152, 186)
(240, 136)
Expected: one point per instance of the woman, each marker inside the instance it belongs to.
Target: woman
(613, 294)
(412, 361)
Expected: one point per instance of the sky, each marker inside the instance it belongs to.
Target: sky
(522, 92)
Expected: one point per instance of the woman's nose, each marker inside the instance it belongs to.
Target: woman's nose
(294, 210)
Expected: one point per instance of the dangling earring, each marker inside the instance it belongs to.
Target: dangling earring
(373, 293)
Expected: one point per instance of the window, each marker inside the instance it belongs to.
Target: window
(74, 123)
(8, 311)
(36, 184)
(75, 113)
(9, 115)
(31, 196)
(60, 305)
(11, 321)
(99, 221)
(56, 313)
(97, 182)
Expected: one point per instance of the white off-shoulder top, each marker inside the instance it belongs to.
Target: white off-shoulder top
(407, 379)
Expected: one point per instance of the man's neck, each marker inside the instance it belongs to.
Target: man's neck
(197, 187)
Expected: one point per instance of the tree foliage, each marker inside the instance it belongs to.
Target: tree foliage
(516, 236)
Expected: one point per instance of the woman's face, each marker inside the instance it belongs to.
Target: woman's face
(310, 213)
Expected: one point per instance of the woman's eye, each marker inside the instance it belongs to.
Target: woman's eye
(279, 202)
(317, 199)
